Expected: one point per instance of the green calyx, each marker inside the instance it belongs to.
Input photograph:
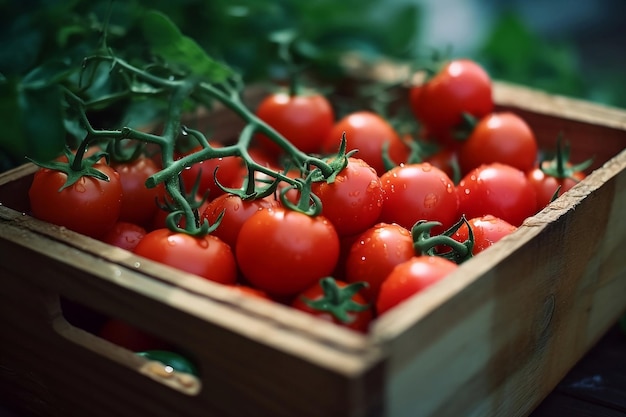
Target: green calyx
(76, 166)
(559, 166)
(455, 251)
(338, 300)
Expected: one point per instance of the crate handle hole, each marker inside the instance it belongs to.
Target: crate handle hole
(151, 356)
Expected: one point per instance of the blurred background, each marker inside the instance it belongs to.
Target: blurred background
(569, 48)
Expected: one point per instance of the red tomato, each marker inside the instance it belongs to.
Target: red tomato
(499, 190)
(228, 171)
(337, 302)
(499, 137)
(89, 206)
(546, 185)
(283, 252)
(304, 120)
(461, 86)
(130, 337)
(367, 132)
(487, 230)
(375, 253)
(206, 256)
(354, 200)
(236, 212)
(411, 277)
(124, 235)
(418, 192)
(139, 201)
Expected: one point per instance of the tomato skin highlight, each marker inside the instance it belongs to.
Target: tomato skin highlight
(497, 189)
(416, 192)
(282, 252)
(461, 86)
(502, 137)
(367, 132)
(89, 206)
(305, 120)
(207, 256)
(411, 277)
(354, 201)
(375, 253)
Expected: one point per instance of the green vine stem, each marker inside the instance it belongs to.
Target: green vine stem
(179, 90)
(425, 244)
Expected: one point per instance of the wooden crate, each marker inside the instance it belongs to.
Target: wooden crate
(492, 339)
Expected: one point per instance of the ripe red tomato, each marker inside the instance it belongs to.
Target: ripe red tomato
(487, 230)
(236, 212)
(89, 206)
(546, 185)
(305, 120)
(124, 235)
(337, 302)
(228, 172)
(499, 137)
(206, 256)
(283, 252)
(367, 132)
(375, 253)
(139, 201)
(354, 200)
(416, 192)
(461, 86)
(411, 277)
(499, 190)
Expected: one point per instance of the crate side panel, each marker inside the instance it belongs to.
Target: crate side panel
(243, 376)
(503, 342)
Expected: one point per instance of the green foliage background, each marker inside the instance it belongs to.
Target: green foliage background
(42, 41)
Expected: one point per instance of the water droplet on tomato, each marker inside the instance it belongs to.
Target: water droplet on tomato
(466, 191)
(430, 200)
(426, 167)
(80, 187)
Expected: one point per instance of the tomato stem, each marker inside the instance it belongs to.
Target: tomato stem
(337, 300)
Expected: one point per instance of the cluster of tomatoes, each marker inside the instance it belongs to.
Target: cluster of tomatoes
(363, 238)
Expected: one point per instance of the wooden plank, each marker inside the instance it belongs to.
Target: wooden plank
(503, 330)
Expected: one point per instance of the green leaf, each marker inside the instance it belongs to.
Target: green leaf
(178, 50)
(41, 117)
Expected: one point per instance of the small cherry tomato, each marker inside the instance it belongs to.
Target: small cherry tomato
(369, 133)
(375, 253)
(499, 137)
(206, 256)
(304, 120)
(487, 230)
(354, 200)
(418, 192)
(497, 189)
(124, 235)
(411, 277)
(139, 201)
(235, 212)
(89, 206)
(460, 86)
(283, 252)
